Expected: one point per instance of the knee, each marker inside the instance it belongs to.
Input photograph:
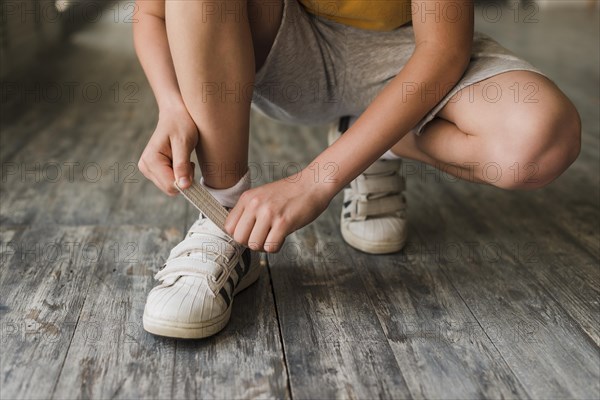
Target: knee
(540, 146)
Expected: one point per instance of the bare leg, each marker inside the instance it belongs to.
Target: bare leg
(214, 57)
(523, 137)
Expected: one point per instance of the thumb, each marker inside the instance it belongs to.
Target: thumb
(182, 167)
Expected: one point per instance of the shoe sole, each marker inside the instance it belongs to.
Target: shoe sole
(370, 246)
(199, 330)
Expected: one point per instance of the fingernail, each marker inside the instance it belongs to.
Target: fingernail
(183, 181)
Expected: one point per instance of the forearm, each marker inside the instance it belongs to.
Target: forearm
(426, 78)
(152, 48)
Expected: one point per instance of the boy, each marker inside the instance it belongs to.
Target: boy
(413, 77)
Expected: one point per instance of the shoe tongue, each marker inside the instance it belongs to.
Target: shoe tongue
(204, 224)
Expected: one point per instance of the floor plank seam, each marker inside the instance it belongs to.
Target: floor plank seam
(60, 371)
(334, 216)
(575, 322)
(173, 381)
(176, 342)
(484, 331)
(532, 277)
(288, 383)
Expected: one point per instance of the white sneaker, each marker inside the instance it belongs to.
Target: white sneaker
(374, 212)
(198, 282)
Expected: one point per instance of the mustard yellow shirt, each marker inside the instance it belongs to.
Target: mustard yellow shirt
(378, 15)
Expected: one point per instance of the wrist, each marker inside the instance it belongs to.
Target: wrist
(171, 106)
(320, 182)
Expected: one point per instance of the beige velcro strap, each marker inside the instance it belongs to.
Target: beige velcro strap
(366, 185)
(373, 207)
(384, 166)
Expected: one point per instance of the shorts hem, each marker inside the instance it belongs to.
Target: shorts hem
(465, 83)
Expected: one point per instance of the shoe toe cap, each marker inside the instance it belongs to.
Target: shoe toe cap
(188, 300)
(388, 229)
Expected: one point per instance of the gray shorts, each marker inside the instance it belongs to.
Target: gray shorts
(319, 70)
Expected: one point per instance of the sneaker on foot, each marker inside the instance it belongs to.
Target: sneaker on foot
(374, 211)
(198, 282)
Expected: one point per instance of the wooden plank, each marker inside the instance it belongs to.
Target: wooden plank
(557, 240)
(78, 152)
(111, 356)
(544, 346)
(440, 347)
(244, 361)
(335, 347)
(542, 239)
(44, 281)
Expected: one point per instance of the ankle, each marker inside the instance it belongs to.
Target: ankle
(228, 197)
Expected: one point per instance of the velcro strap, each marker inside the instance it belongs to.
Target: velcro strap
(384, 166)
(190, 266)
(377, 184)
(373, 207)
(198, 244)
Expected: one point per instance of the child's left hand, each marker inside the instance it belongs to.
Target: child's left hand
(265, 215)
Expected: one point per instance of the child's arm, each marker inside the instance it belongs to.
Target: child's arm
(168, 152)
(441, 56)
(442, 53)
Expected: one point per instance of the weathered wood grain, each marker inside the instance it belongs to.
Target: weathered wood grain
(110, 355)
(562, 264)
(439, 345)
(46, 276)
(545, 347)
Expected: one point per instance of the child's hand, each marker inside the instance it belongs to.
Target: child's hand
(167, 154)
(264, 216)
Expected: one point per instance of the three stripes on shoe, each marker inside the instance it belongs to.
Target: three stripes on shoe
(241, 269)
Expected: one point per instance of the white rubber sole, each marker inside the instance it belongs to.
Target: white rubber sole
(370, 246)
(199, 330)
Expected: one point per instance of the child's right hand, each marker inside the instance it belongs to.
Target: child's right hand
(166, 157)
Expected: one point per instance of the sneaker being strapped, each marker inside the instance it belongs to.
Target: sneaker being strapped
(373, 216)
(198, 282)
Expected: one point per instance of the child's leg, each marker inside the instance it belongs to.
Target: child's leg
(214, 57)
(212, 47)
(512, 142)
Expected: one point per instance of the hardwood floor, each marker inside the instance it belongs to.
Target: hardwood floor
(495, 296)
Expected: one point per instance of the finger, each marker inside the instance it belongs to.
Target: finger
(275, 239)
(259, 233)
(160, 167)
(233, 218)
(244, 227)
(182, 166)
(148, 173)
